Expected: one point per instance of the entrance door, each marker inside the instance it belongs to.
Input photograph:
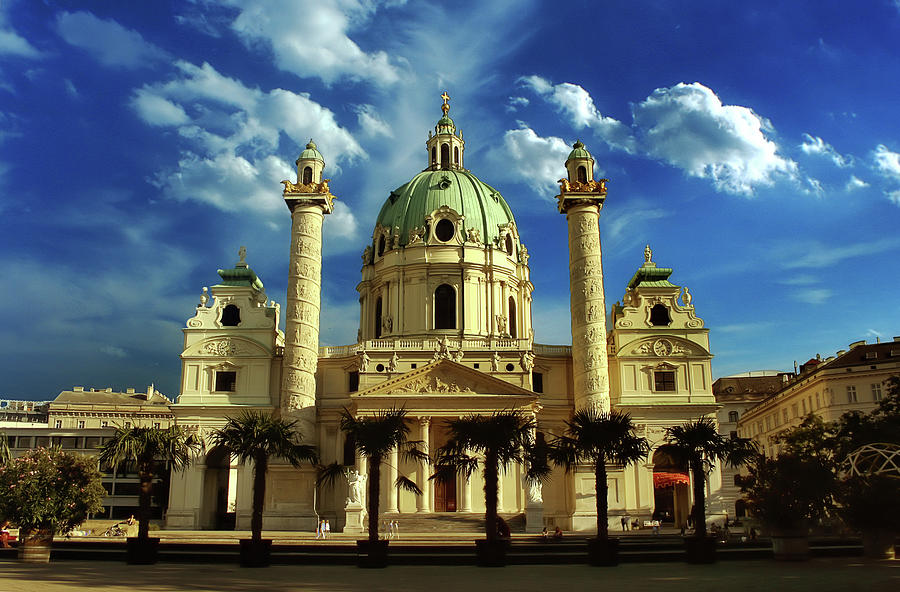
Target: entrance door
(445, 496)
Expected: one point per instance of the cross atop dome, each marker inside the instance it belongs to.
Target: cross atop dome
(446, 106)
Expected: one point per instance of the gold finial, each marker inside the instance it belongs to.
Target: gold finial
(648, 254)
(445, 107)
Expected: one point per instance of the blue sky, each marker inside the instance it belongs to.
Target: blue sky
(755, 146)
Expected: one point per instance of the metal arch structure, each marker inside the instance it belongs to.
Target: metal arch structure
(874, 459)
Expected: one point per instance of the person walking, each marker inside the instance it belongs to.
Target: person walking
(327, 529)
(622, 522)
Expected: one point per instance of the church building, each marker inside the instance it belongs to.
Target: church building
(445, 330)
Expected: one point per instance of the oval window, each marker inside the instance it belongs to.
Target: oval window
(444, 230)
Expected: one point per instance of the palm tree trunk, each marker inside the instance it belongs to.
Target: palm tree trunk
(374, 490)
(491, 477)
(602, 489)
(699, 478)
(146, 477)
(260, 466)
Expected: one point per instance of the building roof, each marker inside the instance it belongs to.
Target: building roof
(311, 152)
(867, 354)
(578, 151)
(746, 387)
(110, 397)
(650, 276)
(482, 205)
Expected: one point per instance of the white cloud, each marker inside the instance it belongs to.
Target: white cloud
(311, 38)
(341, 223)
(71, 90)
(688, 126)
(575, 102)
(114, 351)
(529, 157)
(816, 146)
(813, 295)
(516, 102)
(371, 122)
(816, 254)
(157, 110)
(232, 134)
(856, 183)
(813, 186)
(887, 163)
(11, 43)
(109, 42)
(627, 226)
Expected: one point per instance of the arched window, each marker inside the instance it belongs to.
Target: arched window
(659, 316)
(231, 316)
(381, 246)
(445, 156)
(433, 155)
(733, 416)
(445, 307)
(582, 174)
(512, 317)
(378, 318)
(456, 155)
(509, 245)
(307, 175)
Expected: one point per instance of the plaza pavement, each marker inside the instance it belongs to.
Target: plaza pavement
(818, 575)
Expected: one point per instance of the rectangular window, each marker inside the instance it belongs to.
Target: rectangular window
(92, 442)
(664, 381)
(804, 406)
(818, 401)
(794, 410)
(768, 423)
(225, 382)
(851, 394)
(104, 424)
(354, 381)
(876, 391)
(156, 425)
(80, 424)
(537, 380)
(784, 415)
(778, 418)
(57, 424)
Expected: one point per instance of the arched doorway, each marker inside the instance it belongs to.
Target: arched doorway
(671, 487)
(217, 511)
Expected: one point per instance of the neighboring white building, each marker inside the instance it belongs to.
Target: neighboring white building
(445, 330)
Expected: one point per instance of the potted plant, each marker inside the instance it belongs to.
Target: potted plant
(150, 451)
(47, 492)
(598, 438)
(374, 438)
(500, 439)
(257, 436)
(871, 504)
(787, 494)
(699, 445)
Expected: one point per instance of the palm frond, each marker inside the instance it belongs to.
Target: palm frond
(407, 484)
(329, 474)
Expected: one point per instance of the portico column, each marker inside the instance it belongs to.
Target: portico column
(589, 355)
(465, 492)
(392, 501)
(423, 502)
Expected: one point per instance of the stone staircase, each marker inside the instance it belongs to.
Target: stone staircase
(451, 522)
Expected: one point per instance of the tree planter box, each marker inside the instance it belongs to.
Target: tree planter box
(603, 552)
(491, 553)
(700, 550)
(256, 553)
(878, 544)
(142, 552)
(372, 554)
(34, 546)
(790, 546)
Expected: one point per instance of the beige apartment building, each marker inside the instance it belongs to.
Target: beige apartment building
(851, 380)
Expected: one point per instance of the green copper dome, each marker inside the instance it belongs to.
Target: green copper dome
(578, 151)
(445, 125)
(311, 152)
(482, 205)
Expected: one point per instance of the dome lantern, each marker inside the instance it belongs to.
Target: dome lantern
(580, 164)
(310, 165)
(445, 148)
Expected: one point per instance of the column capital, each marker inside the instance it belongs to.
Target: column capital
(324, 201)
(567, 201)
(425, 420)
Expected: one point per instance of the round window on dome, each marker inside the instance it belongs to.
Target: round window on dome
(444, 230)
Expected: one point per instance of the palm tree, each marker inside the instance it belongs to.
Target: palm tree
(699, 445)
(375, 437)
(502, 438)
(256, 436)
(148, 449)
(598, 438)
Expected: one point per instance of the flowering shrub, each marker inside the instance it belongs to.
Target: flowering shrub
(49, 490)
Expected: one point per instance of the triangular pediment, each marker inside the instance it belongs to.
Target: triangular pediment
(445, 377)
